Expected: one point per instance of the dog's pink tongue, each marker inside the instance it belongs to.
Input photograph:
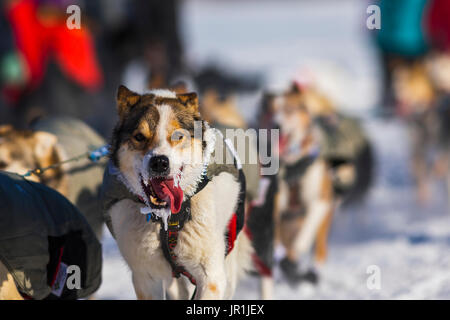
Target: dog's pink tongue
(165, 190)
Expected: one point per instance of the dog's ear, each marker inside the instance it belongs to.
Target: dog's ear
(126, 99)
(190, 100)
(44, 147)
(296, 87)
(179, 87)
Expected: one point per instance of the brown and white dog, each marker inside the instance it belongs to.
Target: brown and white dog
(160, 159)
(305, 201)
(343, 143)
(50, 141)
(24, 150)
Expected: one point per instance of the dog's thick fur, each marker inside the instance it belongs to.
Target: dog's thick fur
(223, 112)
(8, 289)
(153, 118)
(24, 150)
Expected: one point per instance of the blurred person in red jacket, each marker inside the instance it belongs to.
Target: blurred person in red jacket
(57, 64)
(437, 24)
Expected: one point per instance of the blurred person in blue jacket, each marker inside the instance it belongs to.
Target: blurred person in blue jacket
(402, 37)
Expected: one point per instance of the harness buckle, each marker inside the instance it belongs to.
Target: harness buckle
(175, 224)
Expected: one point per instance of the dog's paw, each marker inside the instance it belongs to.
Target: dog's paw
(295, 276)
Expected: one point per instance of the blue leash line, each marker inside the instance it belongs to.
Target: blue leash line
(93, 156)
(99, 153)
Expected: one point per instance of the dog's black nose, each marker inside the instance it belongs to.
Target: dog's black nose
(159, 164)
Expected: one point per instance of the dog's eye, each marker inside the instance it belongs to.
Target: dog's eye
(177, 136)
(139, 137)
(3, 165)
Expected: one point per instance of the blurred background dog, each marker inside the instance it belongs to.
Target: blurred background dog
(53, 140)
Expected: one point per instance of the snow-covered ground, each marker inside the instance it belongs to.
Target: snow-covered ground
(409, 244)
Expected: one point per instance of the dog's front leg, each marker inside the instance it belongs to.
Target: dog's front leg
(314, 218)
(213, 286)
(147, 288)
(210, 276)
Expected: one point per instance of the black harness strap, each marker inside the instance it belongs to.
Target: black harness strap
(169, 237)
(240, 209)
(298, 168)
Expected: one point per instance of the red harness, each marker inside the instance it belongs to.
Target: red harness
(231, 233)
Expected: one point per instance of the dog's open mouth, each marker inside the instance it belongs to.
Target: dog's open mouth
(162, 193)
